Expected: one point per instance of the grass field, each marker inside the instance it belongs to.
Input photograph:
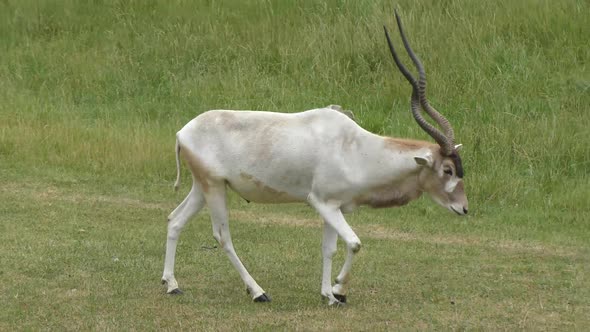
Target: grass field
(92, 93)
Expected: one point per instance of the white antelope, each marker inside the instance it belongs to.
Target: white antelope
(321, 157)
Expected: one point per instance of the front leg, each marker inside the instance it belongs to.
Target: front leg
(340, 289)
(336, 294)
(329, 244)
(335, 223)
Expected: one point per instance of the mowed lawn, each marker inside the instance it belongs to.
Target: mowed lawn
(79, 258)
(91, 95)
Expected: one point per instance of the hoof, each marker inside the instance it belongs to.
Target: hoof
(262, 298)
(341, 298)
(336, 304)
(175, 291)
(336, 300)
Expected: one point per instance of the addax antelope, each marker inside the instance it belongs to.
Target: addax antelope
(321, 157)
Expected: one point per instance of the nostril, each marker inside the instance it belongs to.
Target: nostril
(465, 210)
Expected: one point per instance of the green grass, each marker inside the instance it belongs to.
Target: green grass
(92, 93)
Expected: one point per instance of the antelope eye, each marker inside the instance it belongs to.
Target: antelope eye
(448, 171)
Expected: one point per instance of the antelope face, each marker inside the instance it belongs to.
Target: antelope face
(442, 179)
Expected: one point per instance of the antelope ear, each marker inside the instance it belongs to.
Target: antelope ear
(458, 147)
(425, 160)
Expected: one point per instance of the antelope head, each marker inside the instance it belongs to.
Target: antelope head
(441, 175)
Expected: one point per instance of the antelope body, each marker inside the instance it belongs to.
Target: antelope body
(321, 157)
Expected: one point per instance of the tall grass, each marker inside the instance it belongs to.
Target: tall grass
(103, 85)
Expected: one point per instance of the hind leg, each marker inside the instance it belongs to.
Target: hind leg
(193, 202)
(216, 201)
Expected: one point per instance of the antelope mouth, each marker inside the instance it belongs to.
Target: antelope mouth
(457, 212)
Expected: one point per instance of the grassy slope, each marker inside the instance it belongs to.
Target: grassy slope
(91, 95)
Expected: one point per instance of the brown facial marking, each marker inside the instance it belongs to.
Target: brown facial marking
(459, 189)
(458, 164)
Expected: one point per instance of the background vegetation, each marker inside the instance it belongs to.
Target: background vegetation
(92, 92)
